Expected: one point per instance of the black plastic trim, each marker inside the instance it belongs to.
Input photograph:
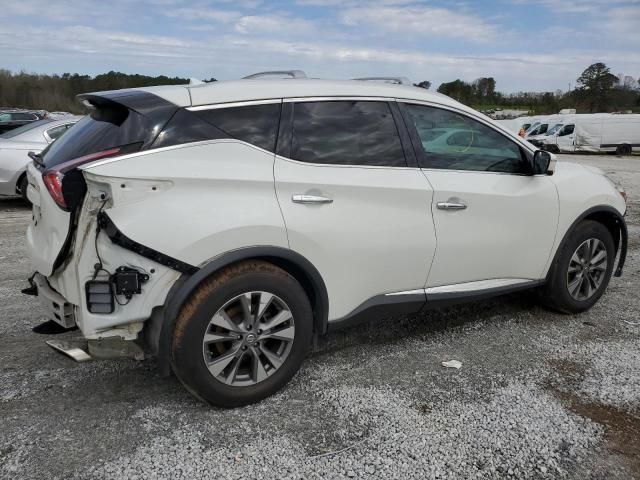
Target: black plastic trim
(381, 306)
(405, 139)
(445, 299)
(187, 284)
(123, 241)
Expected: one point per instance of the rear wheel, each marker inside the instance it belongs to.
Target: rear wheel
(23, 183)
(623, 150)
(582, 269)
(242, 335)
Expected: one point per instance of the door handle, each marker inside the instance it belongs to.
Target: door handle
(307, 199)
(450, 206)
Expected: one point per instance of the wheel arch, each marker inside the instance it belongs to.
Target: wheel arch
(292, 262)
(21, 177)
(613, 220)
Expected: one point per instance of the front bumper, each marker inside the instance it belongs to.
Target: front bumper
(55, 305)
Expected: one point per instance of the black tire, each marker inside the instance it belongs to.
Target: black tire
(623, 150)
(23, 183)
(555, 293)
(187, 358)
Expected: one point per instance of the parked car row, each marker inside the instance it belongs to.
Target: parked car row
(597, 132)
(16, 144)
(14, 118)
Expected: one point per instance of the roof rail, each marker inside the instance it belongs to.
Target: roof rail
(395, 80)
(289, 73)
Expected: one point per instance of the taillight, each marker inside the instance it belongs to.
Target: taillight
(53, 176)
(53, 182)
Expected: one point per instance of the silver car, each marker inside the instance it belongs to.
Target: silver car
(16, 144)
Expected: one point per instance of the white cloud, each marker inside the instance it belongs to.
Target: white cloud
(275, 24)
(421, 21)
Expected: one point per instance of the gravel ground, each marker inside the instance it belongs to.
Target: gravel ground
(539, 395)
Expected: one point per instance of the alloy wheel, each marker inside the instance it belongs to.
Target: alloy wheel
(248, 339)
(587, 269)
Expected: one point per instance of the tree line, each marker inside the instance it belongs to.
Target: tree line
(598, 90)
(57, 92)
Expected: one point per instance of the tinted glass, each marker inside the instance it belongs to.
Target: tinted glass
(466, 144)
(55, 132)
(567, 130)
(104, 129)
(186, 127)
(24, 128)
(254, 124)
(346, 133)
(23, 116)
(555, 128)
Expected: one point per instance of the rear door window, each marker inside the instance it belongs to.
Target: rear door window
(346, 133)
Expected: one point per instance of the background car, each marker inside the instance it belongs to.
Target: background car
(13, 119)
(16, 144)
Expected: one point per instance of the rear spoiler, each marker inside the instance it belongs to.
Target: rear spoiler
(114, 106)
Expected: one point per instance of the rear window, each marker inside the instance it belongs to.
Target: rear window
(104, 129)
(254, 124)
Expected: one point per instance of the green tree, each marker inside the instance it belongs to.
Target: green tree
(595, 84)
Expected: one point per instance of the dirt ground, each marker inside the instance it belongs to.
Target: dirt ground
(539, 395)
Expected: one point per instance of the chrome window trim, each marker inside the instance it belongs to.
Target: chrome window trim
(346, 98)
(419, 291)
(152, 151)
(343, 165)
(216, 106)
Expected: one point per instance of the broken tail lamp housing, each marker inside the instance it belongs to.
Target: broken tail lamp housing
(53, 177)
(101, 294)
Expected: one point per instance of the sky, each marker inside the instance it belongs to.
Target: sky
(526, 45)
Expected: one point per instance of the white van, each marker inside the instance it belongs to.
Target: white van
(597, 133)
(515, 124)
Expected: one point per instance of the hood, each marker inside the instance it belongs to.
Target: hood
(569, 168)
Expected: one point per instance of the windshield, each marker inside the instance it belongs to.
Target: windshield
(555, 128)
(24, 128)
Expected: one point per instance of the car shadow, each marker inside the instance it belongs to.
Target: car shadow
(13, 203)
(427, 322)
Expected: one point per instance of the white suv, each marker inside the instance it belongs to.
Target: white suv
(225, 225)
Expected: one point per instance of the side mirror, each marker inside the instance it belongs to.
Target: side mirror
(543, 163)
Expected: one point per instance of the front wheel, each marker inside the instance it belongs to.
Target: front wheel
(242, 335)
(582, 269)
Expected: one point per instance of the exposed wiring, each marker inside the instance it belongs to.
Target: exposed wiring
(115, 296)
(99, 267)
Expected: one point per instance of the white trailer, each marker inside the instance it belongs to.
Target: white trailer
(598, 133)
